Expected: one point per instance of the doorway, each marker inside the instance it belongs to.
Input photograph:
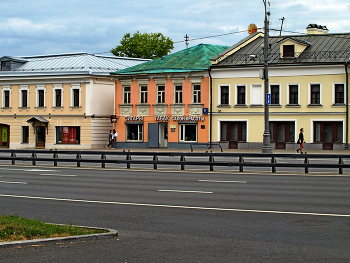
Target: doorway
(233, 132)
(158, 135)
(328, 133)
(40, 137)
(282, 132)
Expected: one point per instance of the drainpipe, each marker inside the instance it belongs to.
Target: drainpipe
(211, 107)
(347, 104)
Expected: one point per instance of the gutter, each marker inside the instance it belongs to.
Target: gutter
(347, 104)
(210, 107)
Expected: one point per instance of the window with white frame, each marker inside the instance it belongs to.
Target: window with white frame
(196, 93)
(160, 94)
(58, 96)
(178, 94)
(143, 94)
(187, 132)
(126, 94)
(6, 97)
(275, 94)
(315, 94)
(40, 96)
(134, 132)
(240, 95)
(24, 96)
(338, 93)
(256, 95)
(224, 95)
(293, 94)
(75, 102)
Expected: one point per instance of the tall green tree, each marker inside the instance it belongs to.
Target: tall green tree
(146, 45)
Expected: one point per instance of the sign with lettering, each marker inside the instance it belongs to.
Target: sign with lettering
(134, 118)
(161, 118)
(188, 118)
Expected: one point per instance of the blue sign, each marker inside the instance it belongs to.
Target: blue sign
(268, 98)
(205, 110)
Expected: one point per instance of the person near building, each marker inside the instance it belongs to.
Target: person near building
(110, 139)
(115, 135)
(301, 141)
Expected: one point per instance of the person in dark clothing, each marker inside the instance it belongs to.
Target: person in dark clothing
(110, 139)
(301, 141)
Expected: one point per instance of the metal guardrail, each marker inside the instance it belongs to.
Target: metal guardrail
(208, 144)
(241, 163)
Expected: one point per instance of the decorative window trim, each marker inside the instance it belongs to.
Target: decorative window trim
(37, 88)
(279, 93)
(333, 94)
(57, 87)
(251, 95)
(229, 95)
(21, 88)
(182, 132)
(199, 96)
(236, 94)
(124, 95)
(72, 88)
(309, 93)
(288, 101)
(6, 88)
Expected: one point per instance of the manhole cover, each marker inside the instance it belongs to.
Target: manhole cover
(312, 223)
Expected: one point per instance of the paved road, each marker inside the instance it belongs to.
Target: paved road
(182, 216)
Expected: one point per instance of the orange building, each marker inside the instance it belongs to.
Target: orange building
(165, 102)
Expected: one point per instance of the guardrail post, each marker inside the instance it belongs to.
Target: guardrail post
(306, 161)
(211, 160)
(55, 156)
(13, 155)
(273, 160)
(103, 157)
(341, 162)
(182, 159)
(34, 156)
(155, 158)
(128, 157)
(241, 160)
(78, 158)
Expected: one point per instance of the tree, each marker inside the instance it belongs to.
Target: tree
(146, 45)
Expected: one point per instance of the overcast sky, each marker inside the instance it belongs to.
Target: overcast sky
(67, 26)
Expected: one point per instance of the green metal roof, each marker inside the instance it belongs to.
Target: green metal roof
(196, 58)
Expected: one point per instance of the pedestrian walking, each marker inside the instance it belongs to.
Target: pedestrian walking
(301, 141)
(110, 139)
(115, 136)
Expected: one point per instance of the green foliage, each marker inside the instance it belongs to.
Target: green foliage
(14, 228)
(146, 45)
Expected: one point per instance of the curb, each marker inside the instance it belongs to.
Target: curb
(44, 241)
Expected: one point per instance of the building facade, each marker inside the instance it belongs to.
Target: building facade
(57, 101)
(164, 102)
(308, 87)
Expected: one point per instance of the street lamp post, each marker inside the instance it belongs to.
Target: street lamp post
(266, 148)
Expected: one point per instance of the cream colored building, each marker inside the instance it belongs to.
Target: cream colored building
(308, 85)
(58, 101)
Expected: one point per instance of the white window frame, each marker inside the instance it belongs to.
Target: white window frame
(139, 131)
(40, 87)
(333, 92)
(252, 102)
(232, 120)
(72, 88)
(178, 94)
(279, 92)
(197, 93)
(57, 87)
(126, 95)
(21, 88)
(245, 94)
(182, 132)
(309, 92)
(6, 88)
(159, 94)
(288, 84)
(143, 94)
(229, 94)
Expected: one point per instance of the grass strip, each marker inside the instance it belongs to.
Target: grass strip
(15, 228)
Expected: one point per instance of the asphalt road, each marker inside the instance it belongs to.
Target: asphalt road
(172, 216)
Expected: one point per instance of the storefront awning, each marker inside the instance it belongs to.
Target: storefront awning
(37, 118)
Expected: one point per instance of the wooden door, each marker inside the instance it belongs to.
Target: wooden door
(40, 136)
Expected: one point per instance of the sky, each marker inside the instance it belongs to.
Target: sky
(69, 26)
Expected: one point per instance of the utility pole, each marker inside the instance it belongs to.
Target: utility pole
(266, 148)
(187, 38)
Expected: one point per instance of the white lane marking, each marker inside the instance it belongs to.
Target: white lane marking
(11, 169)
(216, 181)
(60, 174)
(177, 206)
(180, 191)
(7, 182)
(38, 170)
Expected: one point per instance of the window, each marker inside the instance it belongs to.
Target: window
(257, 95)
(241, 95)
(6, 65)
(328, 132)
(40, 96)
(76, 98)
(196, 95)
(126, 95)
(178, 94)
(161, 94)
(75, 101)
(293, 94)
(315, 94)
(134, 132)
(275, 94)
(58, 96)
(143, 94)
(25, 134)
(6, 98)
(224, 95)
(67, 135)
(288, 51)
(281, 131)
(24, 98)
(188, 132)
(339, 93)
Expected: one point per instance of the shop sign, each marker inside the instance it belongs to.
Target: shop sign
(72, 134)
(4, 134)
(161, 118)
(134, 118)
(113, 118)
(65, 135)
(188, 119)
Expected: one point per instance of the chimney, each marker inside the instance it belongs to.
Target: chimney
(313, 29)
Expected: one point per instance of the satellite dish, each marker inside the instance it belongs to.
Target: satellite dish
(252, 28)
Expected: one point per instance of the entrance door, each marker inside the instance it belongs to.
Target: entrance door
(328, 133)
(163, 134)
(233, 132)
(282, 132)
(4, 136)
(153, 135)
(328, 137)
(40, 136)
